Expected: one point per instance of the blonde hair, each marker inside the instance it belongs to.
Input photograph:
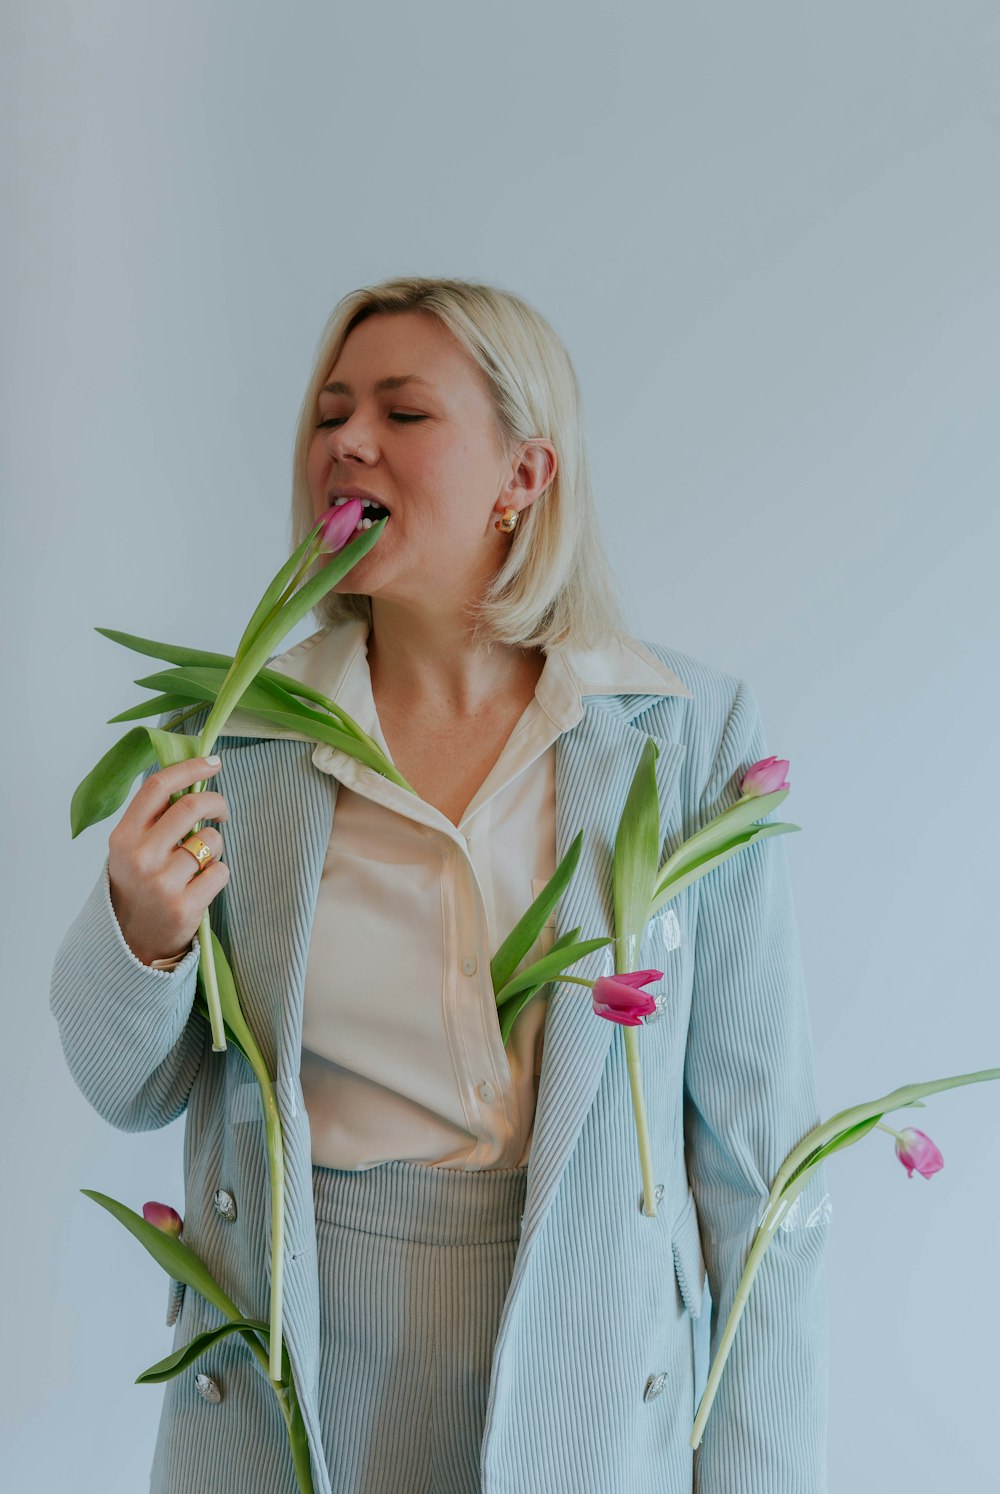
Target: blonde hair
(555, 585)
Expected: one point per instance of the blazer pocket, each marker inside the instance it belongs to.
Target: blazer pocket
(548, 935)
(689, 1263)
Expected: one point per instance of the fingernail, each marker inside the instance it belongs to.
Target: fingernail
(214, 760)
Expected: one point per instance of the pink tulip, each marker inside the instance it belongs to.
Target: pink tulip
(618, 997)
(917, 1151)
(339, 525)
(164, 1217)
(765, 777)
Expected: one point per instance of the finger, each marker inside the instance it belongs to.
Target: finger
(203, 889)
(155, 794)
(188, 811)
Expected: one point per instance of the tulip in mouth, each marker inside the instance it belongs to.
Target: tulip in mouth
(372, 512)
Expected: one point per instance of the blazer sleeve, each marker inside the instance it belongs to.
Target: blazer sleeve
(128, 1034)
(749, 1097)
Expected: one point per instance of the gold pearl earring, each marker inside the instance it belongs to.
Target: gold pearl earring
(508, 521)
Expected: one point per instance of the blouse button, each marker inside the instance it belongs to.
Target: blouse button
(486, 1092)
(470, 966)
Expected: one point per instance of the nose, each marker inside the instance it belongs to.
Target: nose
(348, 442)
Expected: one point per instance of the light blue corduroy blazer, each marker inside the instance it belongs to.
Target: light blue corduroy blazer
(602, 1297)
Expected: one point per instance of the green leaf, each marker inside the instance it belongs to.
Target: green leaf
(271, 702)
(173, 746)
(515, 1004)
(159, 705)
(845, 1138)
(336, 567)
(637, 847)
(719, 833)
(270, 633)
(299, 1440)
(174, 653)
(528, 927)
(516, 1000)
(513, 1008)
(547, 968)
(276, 590)
(194, 682)
(565, 940)
(177, 1260)
(166, 1369)
(107, 785)
(699, 868)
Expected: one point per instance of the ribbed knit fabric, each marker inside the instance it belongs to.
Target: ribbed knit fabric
(414, 1265)
(601, 1299)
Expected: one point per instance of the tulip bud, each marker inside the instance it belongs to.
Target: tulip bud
(339, 525)
(164, 1217)
(917, 1152)
(619, 999)
(765, 777)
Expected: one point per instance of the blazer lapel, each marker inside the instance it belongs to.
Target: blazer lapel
(595, 762)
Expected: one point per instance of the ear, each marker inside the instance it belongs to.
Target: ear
(535, 464)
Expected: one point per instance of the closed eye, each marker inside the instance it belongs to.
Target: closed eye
(396, 415)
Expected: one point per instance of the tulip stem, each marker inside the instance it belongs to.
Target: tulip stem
(276, 1160)
(776, 1211)
(627, 962)
(641, 1127)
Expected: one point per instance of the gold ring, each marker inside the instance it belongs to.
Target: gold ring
(196, 847)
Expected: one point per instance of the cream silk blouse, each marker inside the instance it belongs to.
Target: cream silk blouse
(401, 1049)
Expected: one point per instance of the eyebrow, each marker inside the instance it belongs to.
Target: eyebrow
(394, 381)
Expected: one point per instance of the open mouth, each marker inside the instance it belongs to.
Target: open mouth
(371, 514)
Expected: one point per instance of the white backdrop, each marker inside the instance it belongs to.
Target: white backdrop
(769, 237)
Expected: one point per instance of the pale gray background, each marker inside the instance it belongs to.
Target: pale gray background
(769, 237)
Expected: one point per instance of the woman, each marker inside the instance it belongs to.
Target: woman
(474, 1298)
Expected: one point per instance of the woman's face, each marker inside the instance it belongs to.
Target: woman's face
(426, 450)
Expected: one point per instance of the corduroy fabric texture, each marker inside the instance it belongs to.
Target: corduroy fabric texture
(601, 1298)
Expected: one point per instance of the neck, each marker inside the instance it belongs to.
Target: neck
(429, 659)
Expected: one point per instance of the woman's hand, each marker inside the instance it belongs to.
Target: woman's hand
(157, 890)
